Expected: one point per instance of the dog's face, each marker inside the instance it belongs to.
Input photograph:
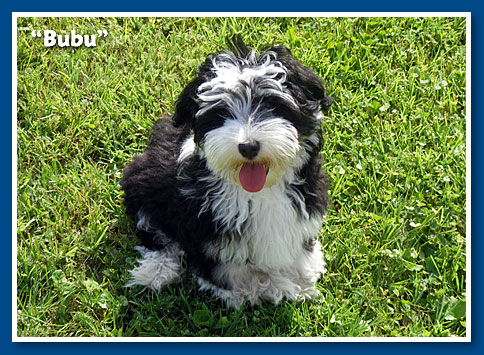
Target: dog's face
(254, 117)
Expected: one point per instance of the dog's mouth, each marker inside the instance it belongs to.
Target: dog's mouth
(252, 176)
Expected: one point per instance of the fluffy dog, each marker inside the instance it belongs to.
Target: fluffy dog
(233, 183)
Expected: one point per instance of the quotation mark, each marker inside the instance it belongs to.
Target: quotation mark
(102, 33)
(36, 33)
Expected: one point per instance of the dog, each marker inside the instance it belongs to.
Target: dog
(233, 182)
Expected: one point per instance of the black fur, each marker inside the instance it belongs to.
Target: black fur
(150, 183)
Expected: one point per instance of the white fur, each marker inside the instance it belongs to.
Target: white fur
(187, 149)
(278, 140)
(271, 231)
(252, 283)
(157, 268)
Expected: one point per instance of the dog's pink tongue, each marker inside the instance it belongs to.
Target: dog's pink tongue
(252, 177)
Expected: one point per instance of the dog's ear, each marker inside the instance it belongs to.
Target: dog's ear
(303, 83)
(186, 107)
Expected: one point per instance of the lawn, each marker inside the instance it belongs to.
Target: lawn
(395, 150)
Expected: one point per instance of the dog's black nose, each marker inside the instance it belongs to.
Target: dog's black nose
(250, 149)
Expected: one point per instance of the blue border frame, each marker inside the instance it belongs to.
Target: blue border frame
(246, 6)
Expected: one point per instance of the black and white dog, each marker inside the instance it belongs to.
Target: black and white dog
(234, 182)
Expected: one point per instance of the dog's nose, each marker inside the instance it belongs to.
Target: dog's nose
(250, 149)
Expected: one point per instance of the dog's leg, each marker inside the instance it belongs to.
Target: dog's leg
(298, 281)
(250, 283)
(310, 267)
(244, 282)
(157, 268)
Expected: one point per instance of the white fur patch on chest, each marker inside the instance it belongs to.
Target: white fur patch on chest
(265, 228)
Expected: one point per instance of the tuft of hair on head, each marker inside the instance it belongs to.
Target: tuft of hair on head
(237, 46)
(305, 86)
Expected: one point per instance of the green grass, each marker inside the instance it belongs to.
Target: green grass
(395, 143)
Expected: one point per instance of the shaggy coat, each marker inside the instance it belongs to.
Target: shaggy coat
(233, 181)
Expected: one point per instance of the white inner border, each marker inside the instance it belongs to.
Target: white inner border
(467, 15)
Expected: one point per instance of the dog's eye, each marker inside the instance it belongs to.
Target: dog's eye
(279, 76)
